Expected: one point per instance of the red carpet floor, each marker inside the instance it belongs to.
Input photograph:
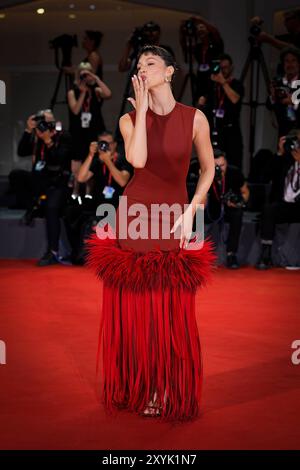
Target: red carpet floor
(49, 323)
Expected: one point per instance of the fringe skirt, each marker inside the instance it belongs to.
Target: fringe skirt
(149, 342)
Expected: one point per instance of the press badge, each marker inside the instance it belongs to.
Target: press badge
(203, 67)
(291, 114)
(39, 166)
(108, 192)
(220, 113)
(85, 119)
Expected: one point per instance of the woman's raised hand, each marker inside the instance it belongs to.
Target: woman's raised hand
(141, 100)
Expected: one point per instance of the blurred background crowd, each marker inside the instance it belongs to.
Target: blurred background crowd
(74, 151)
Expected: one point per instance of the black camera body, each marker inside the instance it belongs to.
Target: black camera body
(281, 91)
(82, 77)
(42, 125)
(103, 146)
(236, 199)
(291, 143)
(255, 30)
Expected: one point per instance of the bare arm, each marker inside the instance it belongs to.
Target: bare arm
(75, 105)
(120, 176)
(135, 137)
(245, 192)
(102, 90)
(135, 140)
(201, 139)
(231, 94)
(84, 173)
(269, 39)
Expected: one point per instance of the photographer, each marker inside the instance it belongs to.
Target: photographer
(91, 42)
(223, 109)
(208, 48)
(85, 101)
(226, 200)
(287, 112)
(111, 173)
(292, 24)
(149, 33)
(284, 206)
(51, 151)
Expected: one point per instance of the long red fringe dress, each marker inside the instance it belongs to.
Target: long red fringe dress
(149, 341)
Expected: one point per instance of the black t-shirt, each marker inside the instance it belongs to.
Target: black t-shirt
(91, 105)
(204, 61)
(102, 178)
(219, 100)
(52, 163)
(234, 180)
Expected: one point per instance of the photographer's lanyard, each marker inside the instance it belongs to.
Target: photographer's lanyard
(40, 164)
(104, 168)
(87, 103)
(42, 151)
(216, 190)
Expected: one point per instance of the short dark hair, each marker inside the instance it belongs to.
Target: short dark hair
(95, 36)
(219, 153)
(226, 57)
(165, 55)
(290, 50)
(105, 132)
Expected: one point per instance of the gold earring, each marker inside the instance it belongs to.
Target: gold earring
(167, 80)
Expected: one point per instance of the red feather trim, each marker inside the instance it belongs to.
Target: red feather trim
(156, 269)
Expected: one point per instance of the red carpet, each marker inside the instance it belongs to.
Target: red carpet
(49, 323)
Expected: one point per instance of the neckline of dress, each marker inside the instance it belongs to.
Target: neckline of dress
(163, 115)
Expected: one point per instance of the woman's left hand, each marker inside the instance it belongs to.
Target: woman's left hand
(185, 223)
(91, 74)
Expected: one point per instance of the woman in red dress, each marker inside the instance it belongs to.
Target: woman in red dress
(149, 343)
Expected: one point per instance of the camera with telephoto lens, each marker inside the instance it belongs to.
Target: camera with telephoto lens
(291, 143)
(236, 199)
(103, 146)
